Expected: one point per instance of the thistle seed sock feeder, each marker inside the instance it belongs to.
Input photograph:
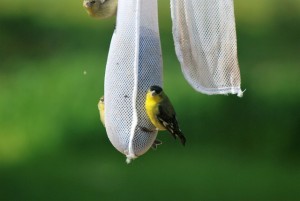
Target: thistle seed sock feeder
(134, 64)
(205, 42)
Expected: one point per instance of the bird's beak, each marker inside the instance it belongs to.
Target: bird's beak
(88, 4)
(153, 93)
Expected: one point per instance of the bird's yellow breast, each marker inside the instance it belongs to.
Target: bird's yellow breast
(151, 106)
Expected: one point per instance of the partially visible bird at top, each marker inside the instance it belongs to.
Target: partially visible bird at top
(161, 112)
(101, 109)
(101, 9)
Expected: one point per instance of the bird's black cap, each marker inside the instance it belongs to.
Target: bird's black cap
(156, 88)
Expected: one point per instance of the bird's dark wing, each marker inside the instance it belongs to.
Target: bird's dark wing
(167, 118)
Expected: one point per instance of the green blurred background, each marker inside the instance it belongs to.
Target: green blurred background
(53, 147)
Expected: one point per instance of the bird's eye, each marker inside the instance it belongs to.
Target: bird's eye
(93, 2)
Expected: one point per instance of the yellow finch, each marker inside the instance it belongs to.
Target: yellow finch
(101, 8)
(161, 112)
(102, 110)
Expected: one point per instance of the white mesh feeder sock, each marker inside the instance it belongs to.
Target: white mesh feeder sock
(134, 64)
(205, 41)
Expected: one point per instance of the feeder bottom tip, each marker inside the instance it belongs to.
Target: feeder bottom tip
(241, 93)
(130, 158)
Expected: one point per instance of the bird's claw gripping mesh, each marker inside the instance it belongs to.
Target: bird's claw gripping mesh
(205, 41)
(134, 64)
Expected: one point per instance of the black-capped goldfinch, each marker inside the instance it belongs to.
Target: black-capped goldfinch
(161, 112)
(101, 8)
(101, 109)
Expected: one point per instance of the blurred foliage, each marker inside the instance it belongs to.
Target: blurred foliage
(53, 147)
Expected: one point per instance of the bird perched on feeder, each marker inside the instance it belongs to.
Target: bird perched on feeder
(161, 112)
(101, 8)
(101, 109)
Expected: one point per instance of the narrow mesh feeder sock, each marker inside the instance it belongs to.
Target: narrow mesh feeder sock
(205, 41)
(134, 64)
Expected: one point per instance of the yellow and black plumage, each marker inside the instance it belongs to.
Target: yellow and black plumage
(161, 112)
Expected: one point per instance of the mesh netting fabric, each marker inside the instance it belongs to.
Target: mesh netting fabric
(205, 41)
(134, 64)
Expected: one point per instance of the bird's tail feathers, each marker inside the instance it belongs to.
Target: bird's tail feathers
(181, 137)
(178, 134)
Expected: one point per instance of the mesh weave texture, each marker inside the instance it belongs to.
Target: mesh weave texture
(134, 64)
(205, 41)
